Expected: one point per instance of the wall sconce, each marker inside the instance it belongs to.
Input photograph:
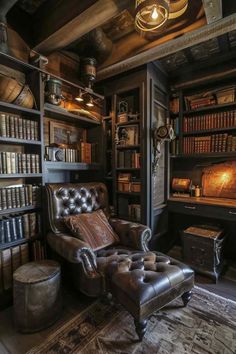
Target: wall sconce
(90, 102)
(160, 135)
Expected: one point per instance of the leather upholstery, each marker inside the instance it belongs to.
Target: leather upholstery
(144, 282)
(64, 199)
(37, 295)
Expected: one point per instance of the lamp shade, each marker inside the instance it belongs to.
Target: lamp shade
(151, 14)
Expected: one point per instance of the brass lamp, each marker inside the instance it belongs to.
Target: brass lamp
(150, 15)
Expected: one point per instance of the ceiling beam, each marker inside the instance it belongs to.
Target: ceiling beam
(94, 16)
(200, 35)
(213, 10)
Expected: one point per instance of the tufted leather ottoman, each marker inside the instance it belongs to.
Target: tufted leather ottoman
(144, 282)
(37, 295)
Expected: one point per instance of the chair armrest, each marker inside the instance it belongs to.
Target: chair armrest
(131, 234)
(73, 250)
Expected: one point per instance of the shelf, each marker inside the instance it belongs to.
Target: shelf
(12, 108)
(206, 155)
(174, 115)
(108, 178)
(18, 242)
(19, 141)
(214, 130)
(132, 194)
(71, 166)
(20, 175)
(127, 169)
(62, 114)
(127, 147)
(136, 121)
(17, 64)
(127, 218)
(210, 108)
(106, 117)
(17, 210)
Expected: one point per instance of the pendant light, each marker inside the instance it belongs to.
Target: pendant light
(150, 15)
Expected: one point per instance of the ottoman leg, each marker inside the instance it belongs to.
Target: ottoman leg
(186, 297)
(141, 327)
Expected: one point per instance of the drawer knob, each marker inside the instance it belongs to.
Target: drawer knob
(190, 207)
(232, 212)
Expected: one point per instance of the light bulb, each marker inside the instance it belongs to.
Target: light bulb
(90, 102)
(154, 13)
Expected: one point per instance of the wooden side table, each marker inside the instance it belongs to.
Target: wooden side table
(37, 295)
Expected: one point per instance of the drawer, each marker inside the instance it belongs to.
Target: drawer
(211, 211)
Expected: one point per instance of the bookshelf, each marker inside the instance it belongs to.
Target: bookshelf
(22, 166)
(133, 106)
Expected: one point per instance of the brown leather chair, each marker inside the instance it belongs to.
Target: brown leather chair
(64, 199)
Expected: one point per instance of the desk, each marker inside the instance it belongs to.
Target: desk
(216, 208)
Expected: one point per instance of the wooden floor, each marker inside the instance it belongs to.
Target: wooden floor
(12, 342)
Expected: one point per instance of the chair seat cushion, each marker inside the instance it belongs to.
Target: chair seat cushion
(92, 228)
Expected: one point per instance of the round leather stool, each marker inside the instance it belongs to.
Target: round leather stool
(37, 295)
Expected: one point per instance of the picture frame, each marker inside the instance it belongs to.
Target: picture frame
(65, 134)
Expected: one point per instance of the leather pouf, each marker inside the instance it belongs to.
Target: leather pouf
(37, 295)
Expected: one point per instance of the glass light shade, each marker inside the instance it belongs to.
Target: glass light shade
(151, 14)
(177, 8)
(90, 102)
(79, 98)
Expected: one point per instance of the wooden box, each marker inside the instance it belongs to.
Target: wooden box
(220, 180)
(202, 249)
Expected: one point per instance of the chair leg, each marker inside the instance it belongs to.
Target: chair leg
(141, 327)
(186, 297)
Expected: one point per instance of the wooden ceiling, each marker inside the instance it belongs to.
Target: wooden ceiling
(105, 29)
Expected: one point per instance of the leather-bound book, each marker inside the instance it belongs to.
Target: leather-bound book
(24, 252)
(9, 201)
(32, 224)
(2, 238)
(15, 258)
(6, 268)
(19, 227)
(26, 229)
(13, 229)
(7, 230)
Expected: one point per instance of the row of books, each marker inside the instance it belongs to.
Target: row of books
(84, 152)
(210, 121)
(195, 102)
(128, 209)
(19, 196)
(19, 226)
(211, 143)
(11, 259)
(13, 162)
(128, 159)
(13, 126)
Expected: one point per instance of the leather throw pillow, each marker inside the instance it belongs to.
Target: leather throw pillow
(92, 228)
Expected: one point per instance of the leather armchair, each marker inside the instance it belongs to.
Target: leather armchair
(87, 266)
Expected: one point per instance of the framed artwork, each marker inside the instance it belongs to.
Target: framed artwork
(60, 133)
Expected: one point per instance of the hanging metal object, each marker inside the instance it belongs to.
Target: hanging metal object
(177, 8)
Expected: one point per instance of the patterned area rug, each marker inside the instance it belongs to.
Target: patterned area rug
(206, 325)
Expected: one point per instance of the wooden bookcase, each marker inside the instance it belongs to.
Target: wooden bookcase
(23, 245)
(216, 122)
(143, 90)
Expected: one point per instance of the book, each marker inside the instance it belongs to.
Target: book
(15, 258)
(24, 253)
(6, 268)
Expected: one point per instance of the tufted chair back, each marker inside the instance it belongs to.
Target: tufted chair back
(74, 198)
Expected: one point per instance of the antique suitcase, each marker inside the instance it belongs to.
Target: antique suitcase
(202, 249)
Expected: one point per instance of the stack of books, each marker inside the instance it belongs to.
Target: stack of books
(13, 126)
(13, 162)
